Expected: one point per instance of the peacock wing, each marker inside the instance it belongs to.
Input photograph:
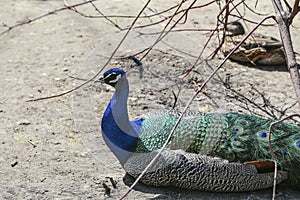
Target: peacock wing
(157, 126)
(194, 171)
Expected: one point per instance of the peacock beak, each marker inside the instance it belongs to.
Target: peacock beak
(101, 80)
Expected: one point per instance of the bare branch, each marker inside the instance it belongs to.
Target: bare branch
(90, 16)
(283, 24)
(28, 21)
(294, 11)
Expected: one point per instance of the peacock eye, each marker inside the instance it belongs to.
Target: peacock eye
(115, 79)
(298, 144)
(263, 134)
(285, 152)
(238, 129)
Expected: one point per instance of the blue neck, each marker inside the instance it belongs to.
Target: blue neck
(119, 133)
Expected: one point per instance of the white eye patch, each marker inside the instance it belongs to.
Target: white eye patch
(115, 80)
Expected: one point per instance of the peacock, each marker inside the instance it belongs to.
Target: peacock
(226, 152)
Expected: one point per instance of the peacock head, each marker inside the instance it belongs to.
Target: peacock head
(112, 76)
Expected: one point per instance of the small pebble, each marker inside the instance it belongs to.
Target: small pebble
(57, 79)
(84, 154)
(30, 95)
(24, 122)
(14, 164)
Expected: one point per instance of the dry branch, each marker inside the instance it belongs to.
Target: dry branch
(28, 21)
(283, 21)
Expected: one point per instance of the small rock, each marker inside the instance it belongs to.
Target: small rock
(30, 95)
(83, 154)
(24, 122)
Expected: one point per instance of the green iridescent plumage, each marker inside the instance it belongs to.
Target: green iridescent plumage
(234, 137)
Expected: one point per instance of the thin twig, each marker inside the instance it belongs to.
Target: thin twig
(32, 143)
(294, 11)
(28, 21)
(225, 22)
(125, 16)
(107, 62)
(179, 30)
(226, 9)
(98, 10)
(253, 10)
(287, 5)
(186, 73)
(177, 13)
(162, 35)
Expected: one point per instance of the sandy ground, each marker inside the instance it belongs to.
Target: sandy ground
(53, 149)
